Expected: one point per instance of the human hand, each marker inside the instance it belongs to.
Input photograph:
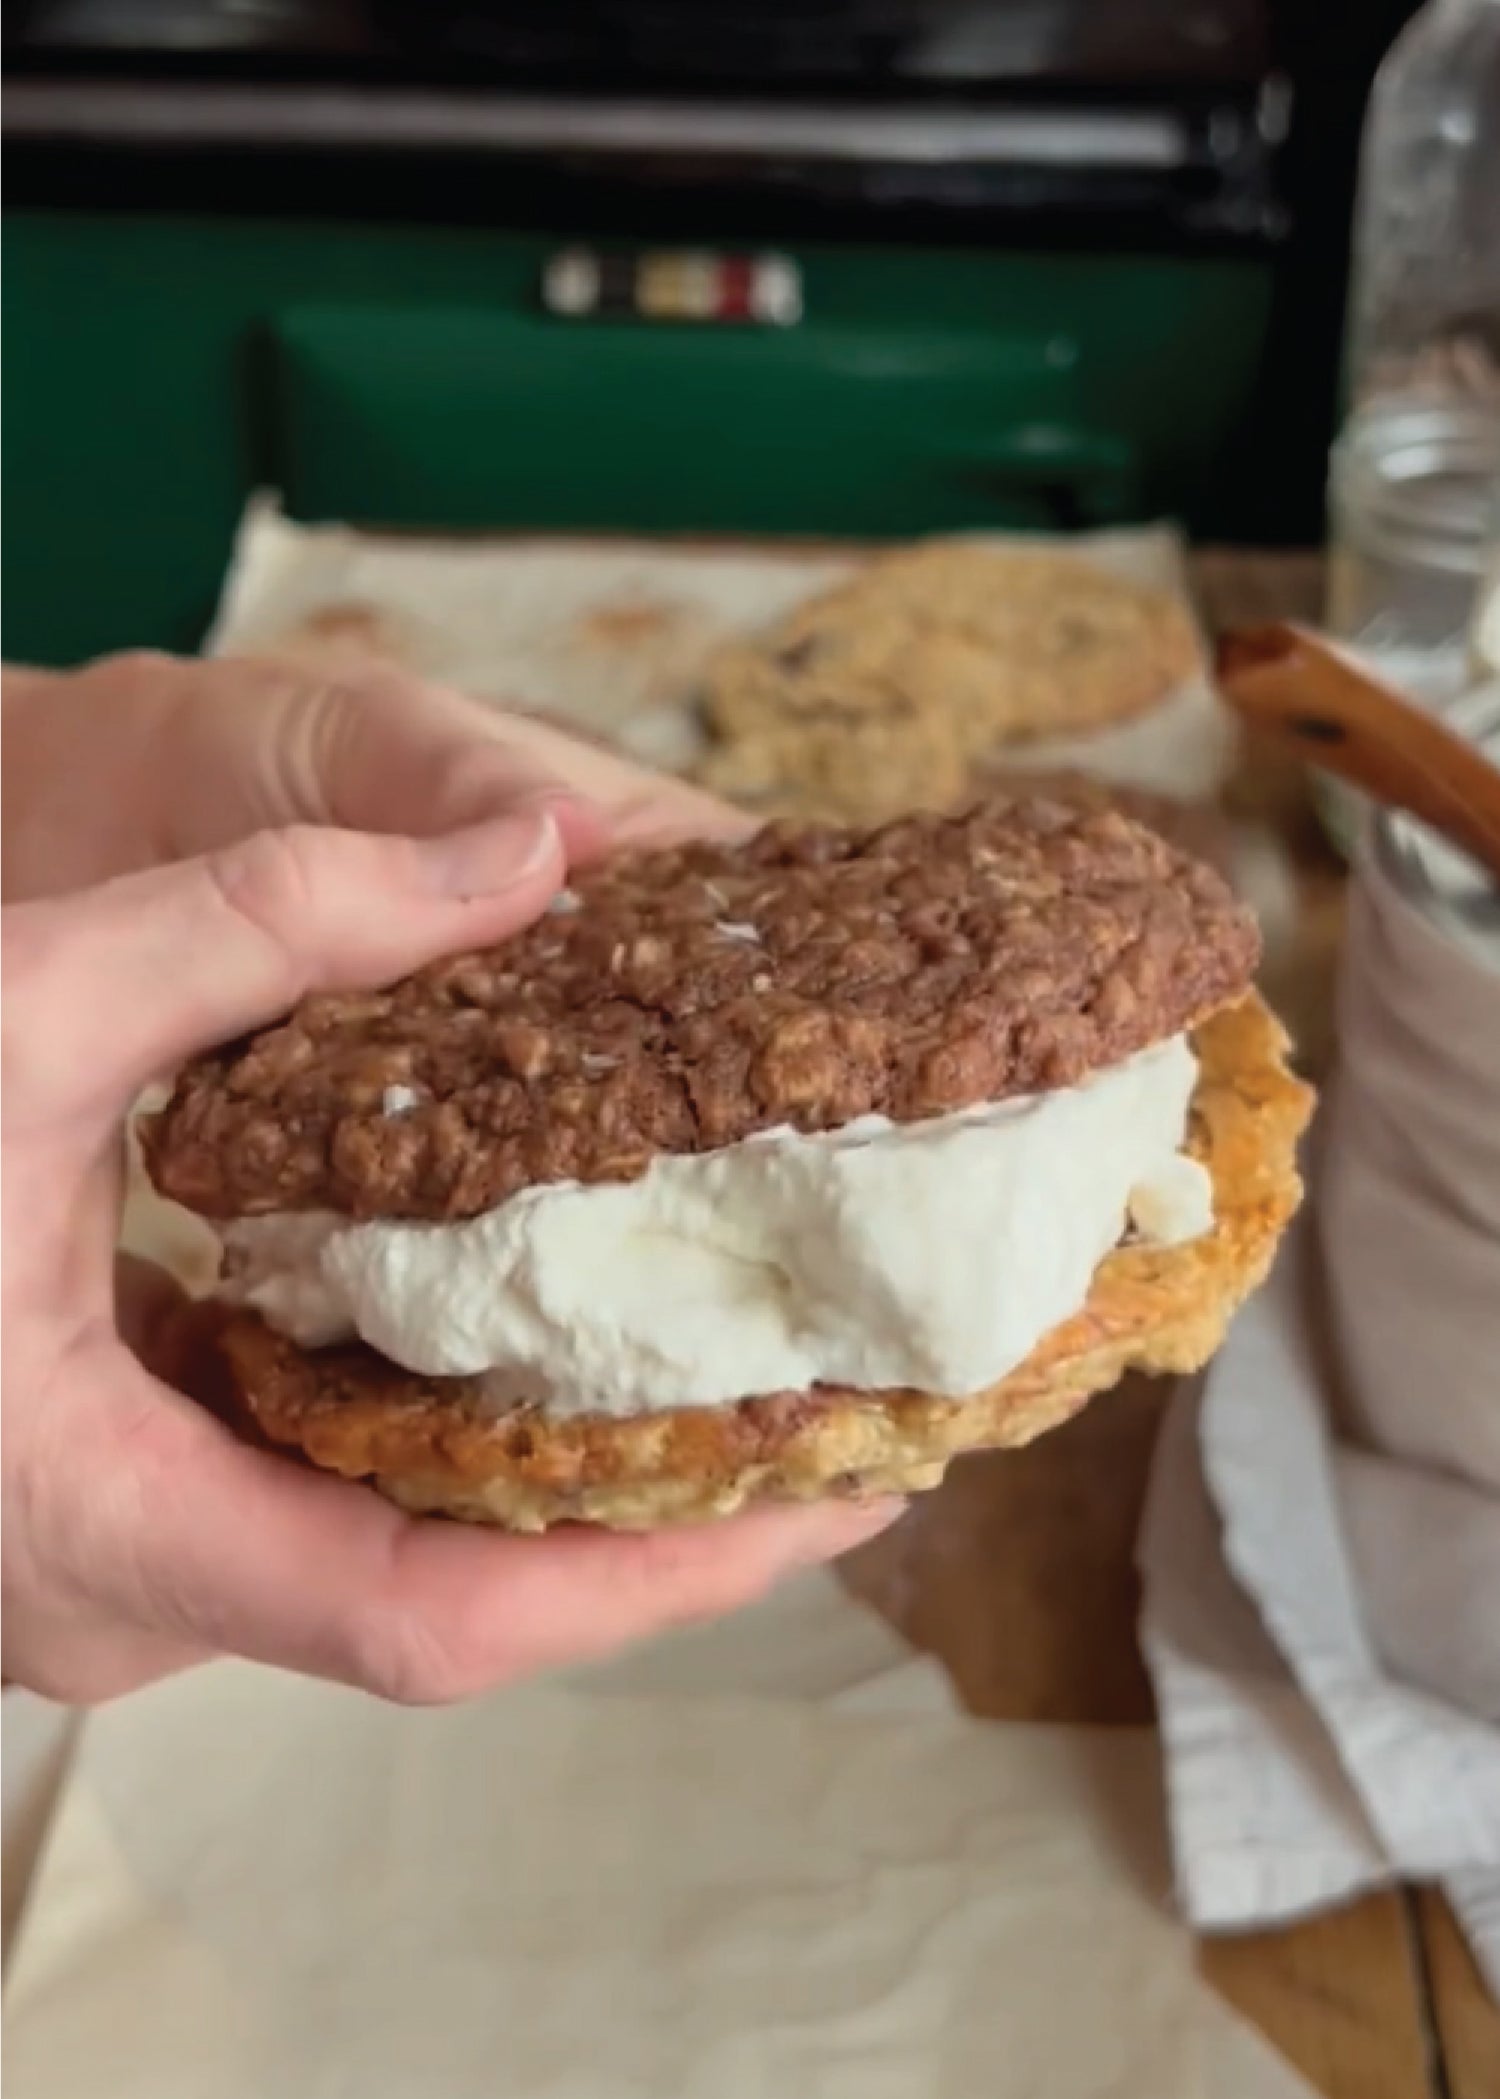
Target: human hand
(141, 759)
(140, 1535)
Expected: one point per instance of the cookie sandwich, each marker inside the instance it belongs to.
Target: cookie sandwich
(783, 1168)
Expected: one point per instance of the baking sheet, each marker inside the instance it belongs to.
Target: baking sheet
(612, 636)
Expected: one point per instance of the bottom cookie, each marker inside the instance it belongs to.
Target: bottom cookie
(433, 1447)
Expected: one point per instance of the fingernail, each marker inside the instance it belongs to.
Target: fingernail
(582, 825)
(490, 857)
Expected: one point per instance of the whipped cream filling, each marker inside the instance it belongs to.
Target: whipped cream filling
(933, 1255)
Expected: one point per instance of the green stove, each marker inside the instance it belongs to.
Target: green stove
(858, 289)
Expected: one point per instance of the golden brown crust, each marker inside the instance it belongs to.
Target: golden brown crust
(429, 1445)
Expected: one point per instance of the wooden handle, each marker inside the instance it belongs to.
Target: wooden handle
(1299, 689)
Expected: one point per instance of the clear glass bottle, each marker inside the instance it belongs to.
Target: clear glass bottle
(1416, 466)
(1484, 639)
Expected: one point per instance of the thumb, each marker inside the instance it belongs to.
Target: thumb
(212, 1546)
(110, 987)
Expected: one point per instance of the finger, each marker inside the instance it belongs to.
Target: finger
(669, 813)
(76, 1663)
(455, 768)
(461, 760)
(107, 989)
(581, 1593)
(376, 750)
(251, 1554)
(643, 807)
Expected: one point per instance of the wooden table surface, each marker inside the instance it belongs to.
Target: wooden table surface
(1019, 1575)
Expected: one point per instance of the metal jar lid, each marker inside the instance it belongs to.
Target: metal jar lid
(1457, 896)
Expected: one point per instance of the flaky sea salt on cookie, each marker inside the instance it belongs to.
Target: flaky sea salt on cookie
(777, 1169)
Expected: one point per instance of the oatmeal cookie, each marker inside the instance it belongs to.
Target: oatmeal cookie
(682, 999)
(880, 694)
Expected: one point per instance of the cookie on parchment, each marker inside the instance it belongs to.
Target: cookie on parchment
(880, 694)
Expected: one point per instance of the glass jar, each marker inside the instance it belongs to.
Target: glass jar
(1411, 496)
(1415, 473)
(1416, 468)
(1484, 641)
(1424, 309)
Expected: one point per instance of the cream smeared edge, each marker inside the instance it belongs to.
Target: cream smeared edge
(933, 1255)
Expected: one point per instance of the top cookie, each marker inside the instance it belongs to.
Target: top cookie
(879, 695)
(682, 999)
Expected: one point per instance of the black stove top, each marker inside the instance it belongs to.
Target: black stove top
(869, 47)
(1044, 120)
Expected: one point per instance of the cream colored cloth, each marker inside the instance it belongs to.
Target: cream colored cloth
(632, 1883)
(1322, 1545)
(1408, 1194)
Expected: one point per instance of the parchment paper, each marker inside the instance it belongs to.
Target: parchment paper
(767, 1856)
(612, 635)
(262, 1886)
